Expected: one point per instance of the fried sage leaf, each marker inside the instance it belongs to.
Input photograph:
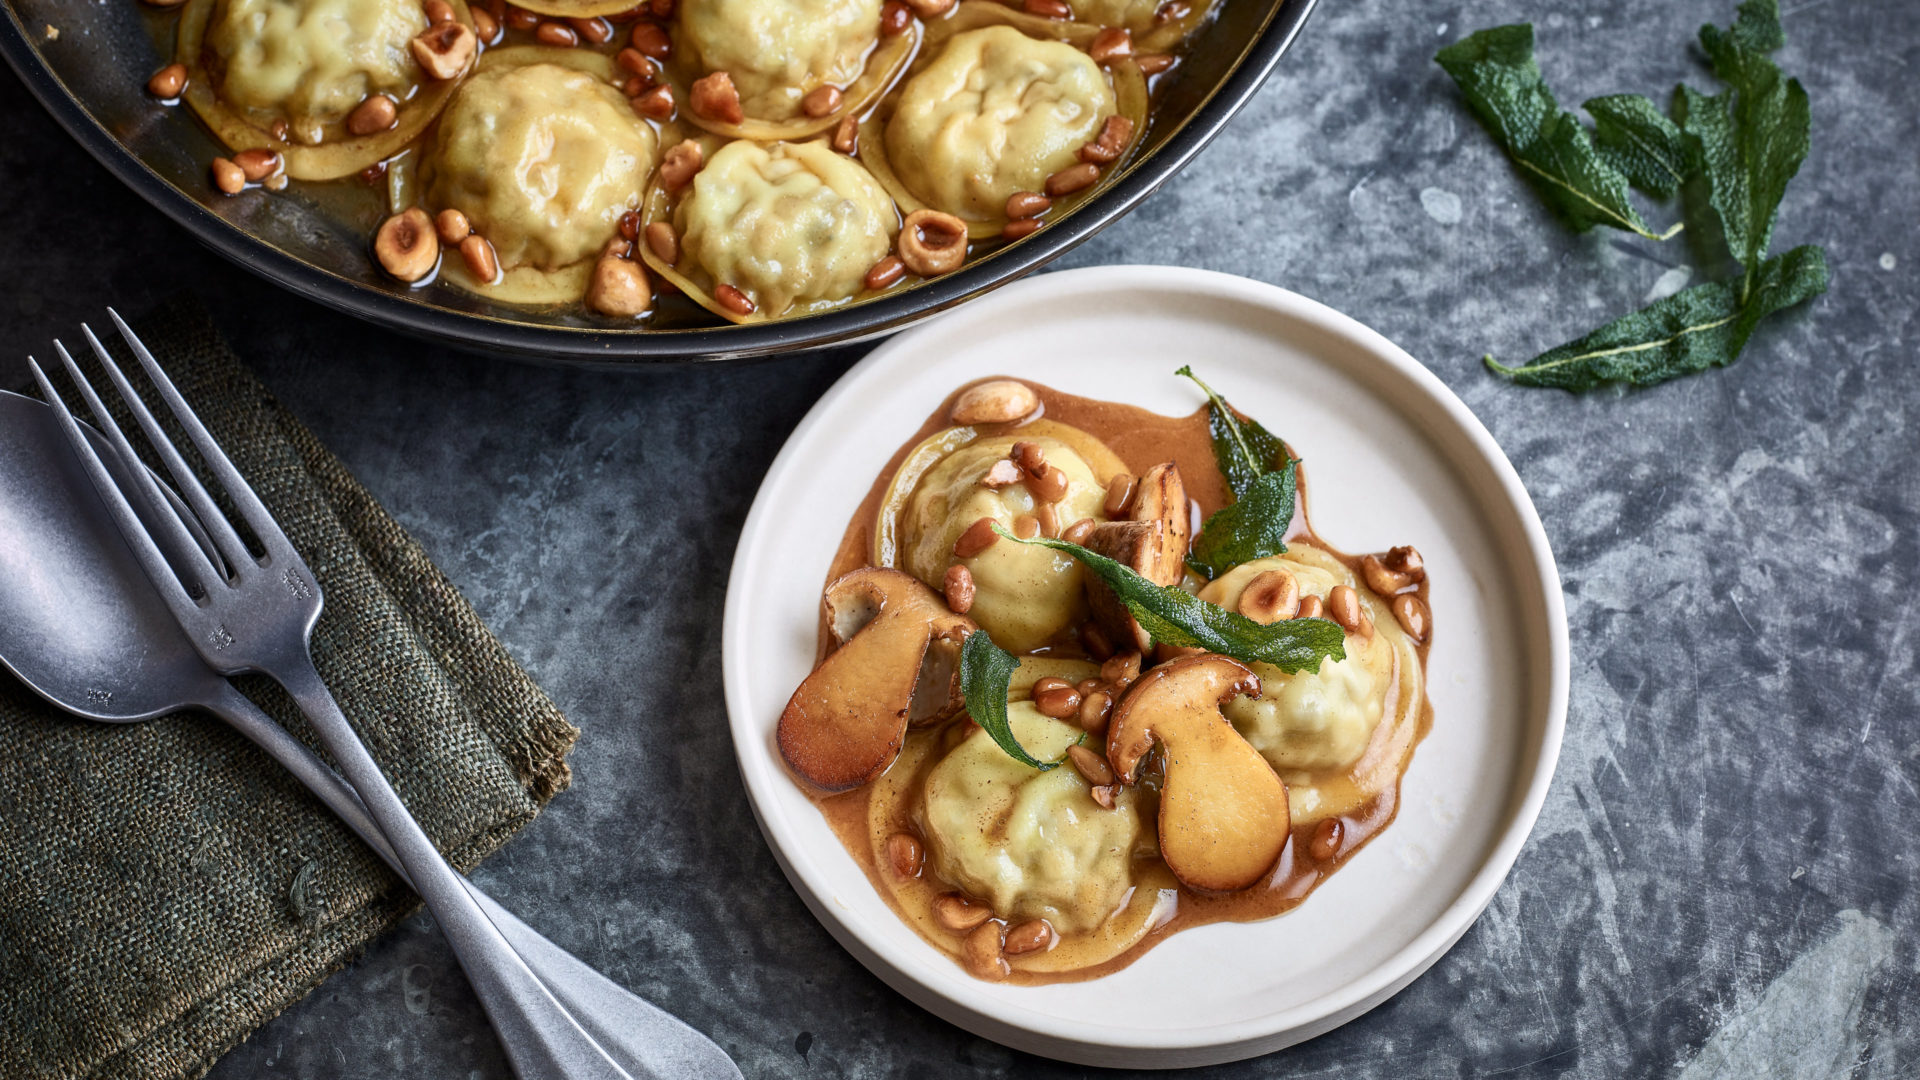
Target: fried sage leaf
(1172, 616)
(986, 670)
(1635, 137)
(1496, 71)
(1698, 328)
(1242, 449)
(1254, 526)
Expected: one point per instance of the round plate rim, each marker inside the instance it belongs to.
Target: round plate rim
(1193, 1045)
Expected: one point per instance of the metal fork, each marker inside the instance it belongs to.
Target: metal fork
(256, 614)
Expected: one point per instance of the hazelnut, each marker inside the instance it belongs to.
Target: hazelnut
(715, 98)
(376, 114)
(619, 287)
(679, 165)
(406, 246)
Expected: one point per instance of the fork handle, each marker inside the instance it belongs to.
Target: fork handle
(642, 1038)
(541, 1040)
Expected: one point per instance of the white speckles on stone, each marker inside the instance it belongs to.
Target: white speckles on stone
(1887, 261)
(1807, 1022)
(1441, 205)
(1442, 32)
(1669, 283)
(1798, 873)
(1593, 22)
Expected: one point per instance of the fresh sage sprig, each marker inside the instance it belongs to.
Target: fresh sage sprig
(986, 671)
(1264, 480)
(1497, 73)
(1745, 144)
(1173, 616)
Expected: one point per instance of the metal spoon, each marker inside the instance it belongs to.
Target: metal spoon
(77, 613)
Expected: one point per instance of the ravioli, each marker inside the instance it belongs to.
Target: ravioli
(543, 159)
(786, 223)
(1024, 595)
(1033, 844)
(776, 51)
(311, 62)
(995, 113)
(1318, 730)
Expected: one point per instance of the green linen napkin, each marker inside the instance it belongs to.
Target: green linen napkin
(165, 888)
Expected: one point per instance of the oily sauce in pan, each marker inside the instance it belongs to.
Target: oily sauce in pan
(1160, 905)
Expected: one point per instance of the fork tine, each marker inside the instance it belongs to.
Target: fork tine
(231, 548)
(177, 537)
(245, 502)
(139, 541)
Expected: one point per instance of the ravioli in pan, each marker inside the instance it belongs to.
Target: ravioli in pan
(1095, 680)
(674, 162)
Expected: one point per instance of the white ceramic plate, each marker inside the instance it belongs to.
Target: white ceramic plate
(1391, 456)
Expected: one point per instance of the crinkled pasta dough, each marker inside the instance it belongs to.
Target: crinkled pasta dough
(1312, 725)
(1024, 595)
(1033, 844)
(543, 160)
(995, 113)
(786, 223)
(312, 61)
(776, 51)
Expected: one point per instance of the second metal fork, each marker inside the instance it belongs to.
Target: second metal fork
(247, 613)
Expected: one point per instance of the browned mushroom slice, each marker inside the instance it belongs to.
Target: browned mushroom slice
(1223, 812)
(896, 664)
(1152, 542)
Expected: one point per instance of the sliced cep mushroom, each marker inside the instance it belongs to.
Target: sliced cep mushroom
(1223, 811)
(1152, 542)
(897, 663)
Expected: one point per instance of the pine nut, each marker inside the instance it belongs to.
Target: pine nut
(556, 35)
(959, 914)
(1311, 607)
(257, 164)
(1047, 9)
(930, 9)
(377, 113)
(1091, 766)
(598, 31)
(1078, 532)
(894, 18)
(451, 226)
(630, 226)
(1026, 526)
(660, 9)
(484, 26)
(634, 61)
(663, 243)
(655, 104)
(521, 19)
(1050, 486)
(1014, 230)
(169, 82)
(1119, 496)
(1325, 843)
(1343, 607)
(885, 272)
(1096, 708)
(1027, 204)
(651, 40)
(1121, 669)
(1030, 457)
(733, 299)
(978, 538)
(846, 137)
(438, 11)
(820, 101)
(228, 178)
(1110, 44)
(904, 854)
(1072, 178)
(480, 259)
(959, 589)
(1412, 615)
(1028, 937)
(1056, 697)
(1153, 63)
(1113, 138)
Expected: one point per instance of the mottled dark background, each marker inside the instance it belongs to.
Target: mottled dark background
(1722, 882)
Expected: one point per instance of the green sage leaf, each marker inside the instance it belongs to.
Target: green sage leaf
(1253, 527)
(1692, 330)
(1635, 137)
(1242, 449)
(1752, 138)
(1173, 616)
(986, 671)
(1495, 69)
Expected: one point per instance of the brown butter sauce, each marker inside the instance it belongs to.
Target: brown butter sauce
(1141, 439)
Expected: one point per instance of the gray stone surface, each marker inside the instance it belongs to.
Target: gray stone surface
(1722, 884)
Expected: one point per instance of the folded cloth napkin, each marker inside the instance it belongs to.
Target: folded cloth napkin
(165, 888)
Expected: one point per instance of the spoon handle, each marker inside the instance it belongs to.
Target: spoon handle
(542, 1041)
(647, 1041)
